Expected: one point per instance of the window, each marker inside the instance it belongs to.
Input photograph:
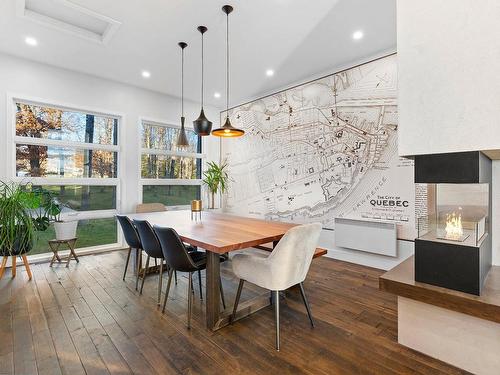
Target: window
(73, 154)
(168, 175)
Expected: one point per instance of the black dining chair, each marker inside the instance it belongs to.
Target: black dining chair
(179, 259)
(133, 241)
(152, 248)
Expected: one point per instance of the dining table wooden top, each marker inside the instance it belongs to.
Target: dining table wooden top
(218, 232)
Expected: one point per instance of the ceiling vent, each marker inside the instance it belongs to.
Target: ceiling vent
(65, 16)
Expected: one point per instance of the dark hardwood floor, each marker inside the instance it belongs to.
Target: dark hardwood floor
(86, 320)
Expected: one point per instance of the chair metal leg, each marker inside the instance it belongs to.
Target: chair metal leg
(190, 299)
(277, 317)
(306, 303)
(175, 275)
(199, 282)
(237, 299)
(126, 263)
(222, 294)
(160, 280)
(170, 272)
(138, 255)
(144, 274)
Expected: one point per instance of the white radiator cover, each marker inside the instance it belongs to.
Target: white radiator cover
(370, 236)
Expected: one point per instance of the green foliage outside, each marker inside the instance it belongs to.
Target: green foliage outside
(170, 195)
(90, 233)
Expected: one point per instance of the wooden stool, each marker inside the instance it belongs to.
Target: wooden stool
(54, 246)
(14, 257)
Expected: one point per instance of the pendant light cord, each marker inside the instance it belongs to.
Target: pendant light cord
(182, 82)
(227, 65)
(202, 78)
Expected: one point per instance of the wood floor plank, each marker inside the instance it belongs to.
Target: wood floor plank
(85, 320)
(24, 351)
(90, 358)
(6, 333)
(45, 353)
(66, 352)
(110, 355)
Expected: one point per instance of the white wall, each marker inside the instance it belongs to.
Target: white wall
(29, 79)
(449, 86)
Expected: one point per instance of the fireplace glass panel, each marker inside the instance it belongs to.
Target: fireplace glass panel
(456, 213)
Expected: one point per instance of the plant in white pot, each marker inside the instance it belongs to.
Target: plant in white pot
(215, 179)
(64, 226)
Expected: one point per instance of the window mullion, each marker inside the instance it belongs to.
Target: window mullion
(64, 144)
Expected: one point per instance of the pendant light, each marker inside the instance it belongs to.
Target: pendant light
(227, 130)
(202, 125)
(182, 141)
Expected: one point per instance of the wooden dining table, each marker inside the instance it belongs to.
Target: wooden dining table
(220, 233)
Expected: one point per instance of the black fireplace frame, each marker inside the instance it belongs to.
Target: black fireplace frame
(454, 266)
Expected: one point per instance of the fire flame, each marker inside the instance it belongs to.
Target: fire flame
(454, 226)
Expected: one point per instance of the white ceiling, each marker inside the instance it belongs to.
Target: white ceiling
(297, 38)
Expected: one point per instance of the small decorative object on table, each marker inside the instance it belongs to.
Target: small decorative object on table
(55, 245)
(196, 208)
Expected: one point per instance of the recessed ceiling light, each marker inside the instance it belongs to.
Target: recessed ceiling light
(357, 35)
(217, 95)
(146, 74)
(30, 41)
(269, 72)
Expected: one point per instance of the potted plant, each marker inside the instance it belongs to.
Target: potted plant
(216, 179)
(49, 211)
(65, 229)
(16, 223)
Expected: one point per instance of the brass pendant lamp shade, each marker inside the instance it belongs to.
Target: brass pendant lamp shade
(182, 140)
(202, 125)
(227, 130)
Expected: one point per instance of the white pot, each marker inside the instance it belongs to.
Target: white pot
(65, 230)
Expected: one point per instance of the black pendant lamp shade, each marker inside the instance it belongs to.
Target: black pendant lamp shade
(202, 125)
(182, 140)
(227, 130)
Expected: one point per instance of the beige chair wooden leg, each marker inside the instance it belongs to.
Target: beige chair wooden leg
(14, 266)
(2, 267)
(27, 266)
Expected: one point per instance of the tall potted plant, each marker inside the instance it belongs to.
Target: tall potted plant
(215, 179)
(16, 223)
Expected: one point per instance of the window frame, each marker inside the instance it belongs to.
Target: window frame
(13, 140)
(152, 151)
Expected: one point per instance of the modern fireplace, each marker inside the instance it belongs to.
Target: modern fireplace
(453, 247)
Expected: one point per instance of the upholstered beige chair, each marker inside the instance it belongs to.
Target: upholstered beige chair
(150, 207)
(286, 266)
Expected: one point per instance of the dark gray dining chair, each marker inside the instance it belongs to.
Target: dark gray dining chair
(133, 242)
(152, 247)
(179, 259)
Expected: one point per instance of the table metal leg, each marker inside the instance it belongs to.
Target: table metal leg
(212, 290)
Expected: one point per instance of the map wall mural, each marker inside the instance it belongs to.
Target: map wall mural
(303, 160)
